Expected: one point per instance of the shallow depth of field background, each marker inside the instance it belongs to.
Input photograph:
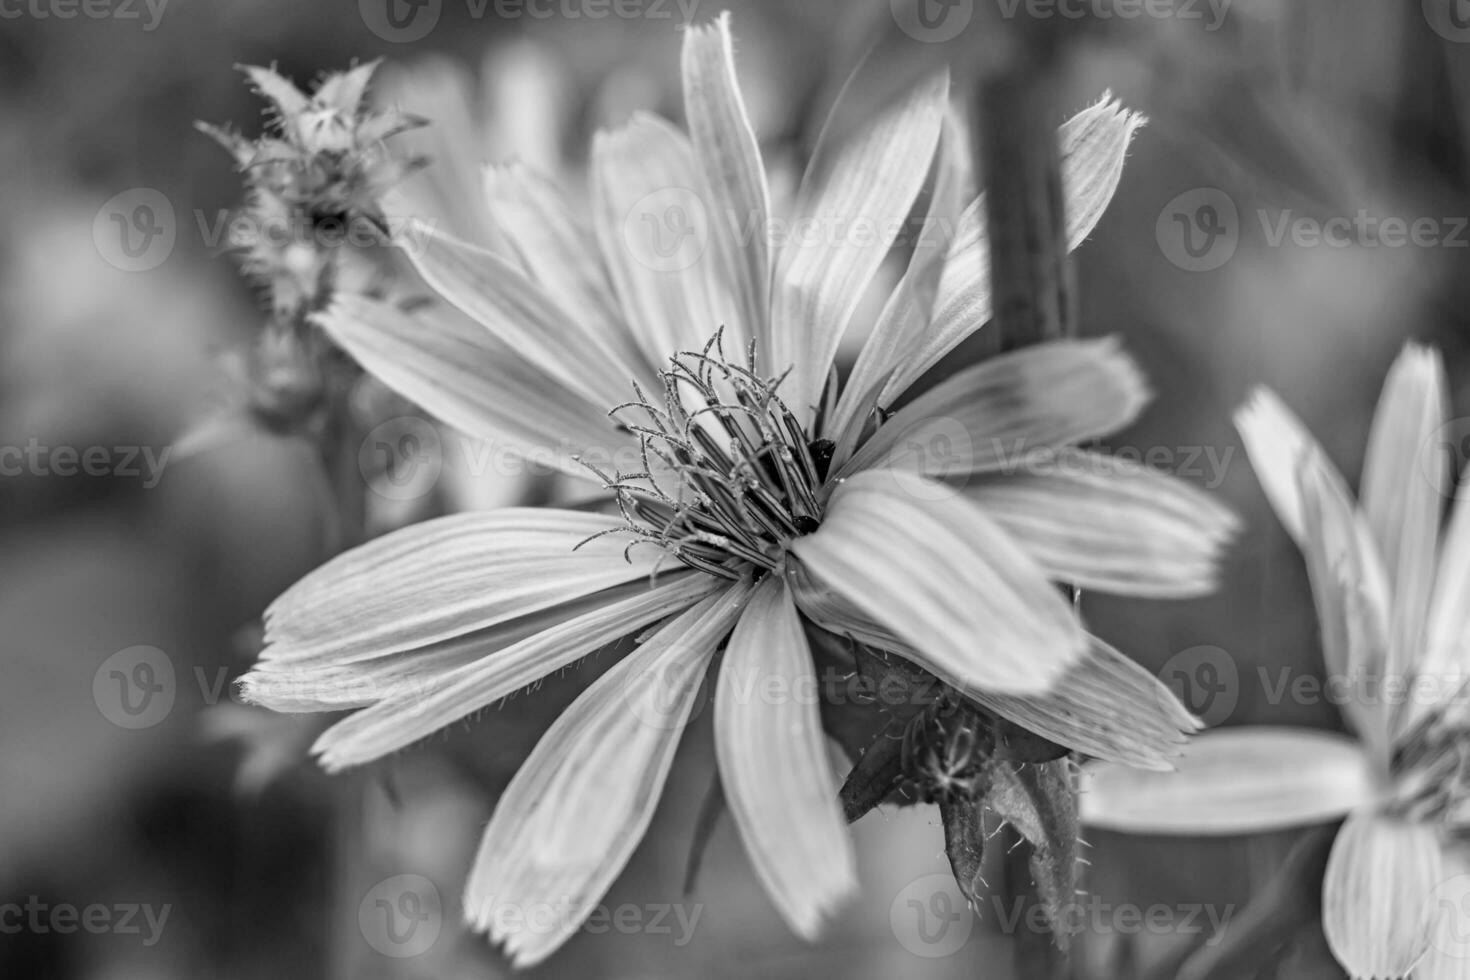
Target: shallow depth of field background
(1285, 109)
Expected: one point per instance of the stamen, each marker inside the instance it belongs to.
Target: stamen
(747, 474)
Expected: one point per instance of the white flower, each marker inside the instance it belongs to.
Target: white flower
(1393, 598)
(759, 493)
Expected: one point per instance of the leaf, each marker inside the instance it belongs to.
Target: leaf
(964, 841)
(1040, 801)
(879, 770)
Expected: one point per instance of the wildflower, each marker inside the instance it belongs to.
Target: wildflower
(755, 498)
(1390, 593)
(313, 181)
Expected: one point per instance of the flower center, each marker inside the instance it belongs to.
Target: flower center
(1433, 784)
(729, 476)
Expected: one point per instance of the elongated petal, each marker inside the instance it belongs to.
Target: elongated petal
(908, 308)
(774, 764)
(1448, 957)
(459, 373)
(1447, 651)
(946, 578)
(577, 808)
(1110, 524)
(1234, 781)
(1094, 144)
(1009, 407)
(1107, 708)
(444, 578)
(858, 195)
(1405, 476)
(1279, 445)
(1352, 600)
(431, 704)
(586, 358)
(445, 194)
(1374, 909)
(653, 224)
(556, 250)
(730, 158)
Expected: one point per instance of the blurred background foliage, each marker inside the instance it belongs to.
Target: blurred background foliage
(1322, 107)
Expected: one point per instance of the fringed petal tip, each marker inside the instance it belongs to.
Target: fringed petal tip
(1111, 106)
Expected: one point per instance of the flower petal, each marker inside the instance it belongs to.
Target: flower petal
(907, 310)
(430, 703)
(774, 763)
(1107, 523)
(457, 372)
(1405, 475)
(586, 358)
(1008, 407)
(1447, 651)
(555, 249)
(858, 195)
(1093, 146)
(735, 176)
(444, 578)
(573, 814)
(1374, 908)
(1279, 444)
(653, 226)
(1234, 781)
(1351, 594)
(1107, 708)
(945, 578)
(445, 194)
